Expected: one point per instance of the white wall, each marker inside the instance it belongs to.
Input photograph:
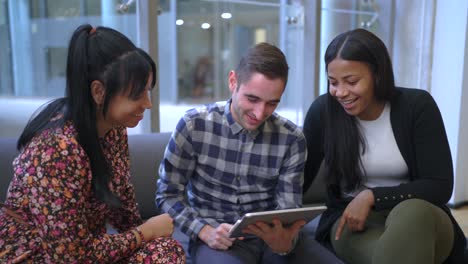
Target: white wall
(449, 84)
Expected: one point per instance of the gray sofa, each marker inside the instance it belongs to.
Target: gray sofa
(146, 151)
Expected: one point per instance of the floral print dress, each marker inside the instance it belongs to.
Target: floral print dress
(51, 215)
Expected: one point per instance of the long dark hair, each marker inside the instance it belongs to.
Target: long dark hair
(108, 56)
(342, 137)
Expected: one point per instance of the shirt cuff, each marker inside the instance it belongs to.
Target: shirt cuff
(195, 228)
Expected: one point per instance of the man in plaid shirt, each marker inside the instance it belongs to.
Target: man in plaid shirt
(235, 157)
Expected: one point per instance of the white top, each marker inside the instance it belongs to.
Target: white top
(382, 161)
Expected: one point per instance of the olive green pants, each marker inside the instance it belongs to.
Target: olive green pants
(413, 232)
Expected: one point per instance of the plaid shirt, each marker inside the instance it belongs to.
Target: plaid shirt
(227, 170)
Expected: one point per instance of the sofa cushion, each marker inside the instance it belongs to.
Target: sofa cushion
(315, 195)
(146, 152)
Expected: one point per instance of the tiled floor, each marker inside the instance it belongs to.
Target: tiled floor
(461, 214)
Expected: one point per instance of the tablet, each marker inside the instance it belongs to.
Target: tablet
(286, 216)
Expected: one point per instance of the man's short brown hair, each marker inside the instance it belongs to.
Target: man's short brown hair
(263, 58)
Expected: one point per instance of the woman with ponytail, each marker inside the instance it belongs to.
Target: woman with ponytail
(72, 174)
(387, 161)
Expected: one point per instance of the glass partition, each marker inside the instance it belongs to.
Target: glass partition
(42, 31)
(6, 82)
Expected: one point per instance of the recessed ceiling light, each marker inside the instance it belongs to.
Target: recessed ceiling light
(226, 15)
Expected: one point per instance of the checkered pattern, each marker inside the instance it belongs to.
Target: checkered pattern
(227, 170)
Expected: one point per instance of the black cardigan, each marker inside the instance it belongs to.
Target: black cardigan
(420, 135)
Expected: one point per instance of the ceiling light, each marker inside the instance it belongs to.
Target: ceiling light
(226, 15)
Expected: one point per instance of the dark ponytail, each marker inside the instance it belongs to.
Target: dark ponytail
(83, 111)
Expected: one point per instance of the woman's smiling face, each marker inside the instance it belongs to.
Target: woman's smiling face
(351, 83)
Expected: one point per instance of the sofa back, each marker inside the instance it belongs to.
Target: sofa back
(146, 152)
(316, 193)
(8, 152)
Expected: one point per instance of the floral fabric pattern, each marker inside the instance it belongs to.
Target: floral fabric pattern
(52, 216)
